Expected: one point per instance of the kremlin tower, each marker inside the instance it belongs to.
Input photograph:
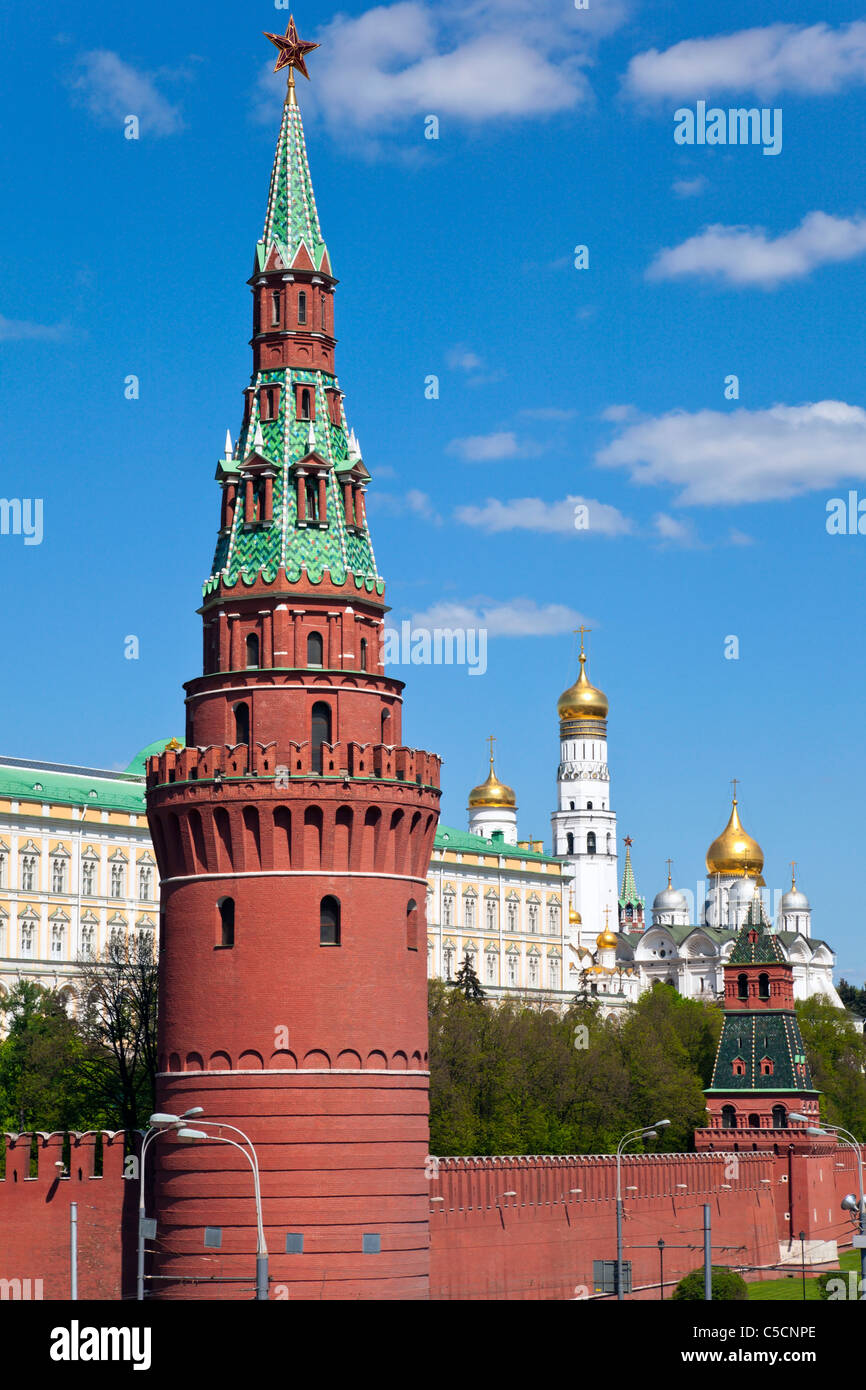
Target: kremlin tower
(584, 825)
(293, 835)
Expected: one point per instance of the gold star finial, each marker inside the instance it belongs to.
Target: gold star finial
(292, 53)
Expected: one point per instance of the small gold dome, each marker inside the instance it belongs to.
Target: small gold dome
(575, 918)
(734, 852)
(606, 939)
(492, 792)
(582, 700)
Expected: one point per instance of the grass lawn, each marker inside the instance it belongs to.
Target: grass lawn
(790, 1287)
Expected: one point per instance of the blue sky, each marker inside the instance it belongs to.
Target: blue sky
(456, 258)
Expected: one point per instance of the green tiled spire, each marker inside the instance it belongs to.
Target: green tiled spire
(292, 220)
(245, 552)
(628, 892)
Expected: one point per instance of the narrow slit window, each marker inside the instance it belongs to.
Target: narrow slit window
(302, 307)
(329, 922)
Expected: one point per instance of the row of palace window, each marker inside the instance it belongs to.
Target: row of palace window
(29, 928)
(511, 967)
(305, 310)
(330, 923)
(29, 877)
(490, 913)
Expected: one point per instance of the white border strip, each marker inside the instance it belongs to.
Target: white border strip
(293, 873)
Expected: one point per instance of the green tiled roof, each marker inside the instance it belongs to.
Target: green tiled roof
(306, 549)
(752, 1036)
(765, 949)
(447, 837)
(628, 892)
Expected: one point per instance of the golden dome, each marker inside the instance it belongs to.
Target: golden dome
(606, 939)
(735, 852)
(492, 792)
(575, 918)
(582, 700)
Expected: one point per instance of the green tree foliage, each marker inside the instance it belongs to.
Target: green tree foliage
(118, 1020)
(852, 997)
(467, 981)
(727, 1286)
(49, 1075)
(511, 1079)
(837, 1058)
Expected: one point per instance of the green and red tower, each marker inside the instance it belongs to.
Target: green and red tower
(293, 835)
(761, 1072)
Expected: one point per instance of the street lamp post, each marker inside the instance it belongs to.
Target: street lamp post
(661, 1268)
(162, 1124)
(644, 1132)
(849, 1204)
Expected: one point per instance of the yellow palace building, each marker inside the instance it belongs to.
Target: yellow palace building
(76, 867)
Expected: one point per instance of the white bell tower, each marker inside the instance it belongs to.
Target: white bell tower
(584, 825)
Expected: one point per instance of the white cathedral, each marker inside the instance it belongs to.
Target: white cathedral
(598, 943)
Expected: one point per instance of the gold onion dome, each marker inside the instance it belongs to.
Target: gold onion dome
(735, 852)
(492, 792)
(582, 700)
(575, 918)
(606, 939)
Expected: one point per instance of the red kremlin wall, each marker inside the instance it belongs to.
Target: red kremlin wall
(500, 1228)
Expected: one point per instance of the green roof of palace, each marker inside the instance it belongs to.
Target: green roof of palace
(447, 837)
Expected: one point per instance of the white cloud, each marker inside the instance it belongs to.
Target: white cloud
(725, 458)
(673, 530)
(748, 256)
(520, 617)
(533, 514)
(808, 60)
(413, 503)
(111, 89)
(461, 62)
(462, 358)
(689, 188)
(618, 413)
(12, 330)
(480, 448)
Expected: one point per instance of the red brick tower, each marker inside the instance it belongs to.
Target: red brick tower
(293, 836)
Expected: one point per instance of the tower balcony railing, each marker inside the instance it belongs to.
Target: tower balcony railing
(273, 762)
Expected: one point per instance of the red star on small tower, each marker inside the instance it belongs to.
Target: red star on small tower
(292, 49)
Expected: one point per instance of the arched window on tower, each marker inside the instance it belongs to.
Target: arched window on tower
(569, 843)
(329, 922)
(589, 806)
(411, 925)
(363, 653)
(320, 731)
(315, 649)
(590, 842)
(242, 723)
(385, 724)
(227, 922)
(729, 1117)
(754, 1121)
(780, 1117)
(763, 986)
(742, 986)
(252, 651)
(302, 307)
(305, 404)
(275, 308)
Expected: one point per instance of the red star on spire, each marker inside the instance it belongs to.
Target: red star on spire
(628, 840)
(292, 49)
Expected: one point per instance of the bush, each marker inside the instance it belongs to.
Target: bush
(727, 1285)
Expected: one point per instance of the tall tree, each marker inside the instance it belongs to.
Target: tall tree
(46, 1068)
(467, 981)
(119, 990)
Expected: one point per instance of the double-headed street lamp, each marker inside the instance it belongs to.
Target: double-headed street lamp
(850, 1203)
(645, 1132)
(185, 1134)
